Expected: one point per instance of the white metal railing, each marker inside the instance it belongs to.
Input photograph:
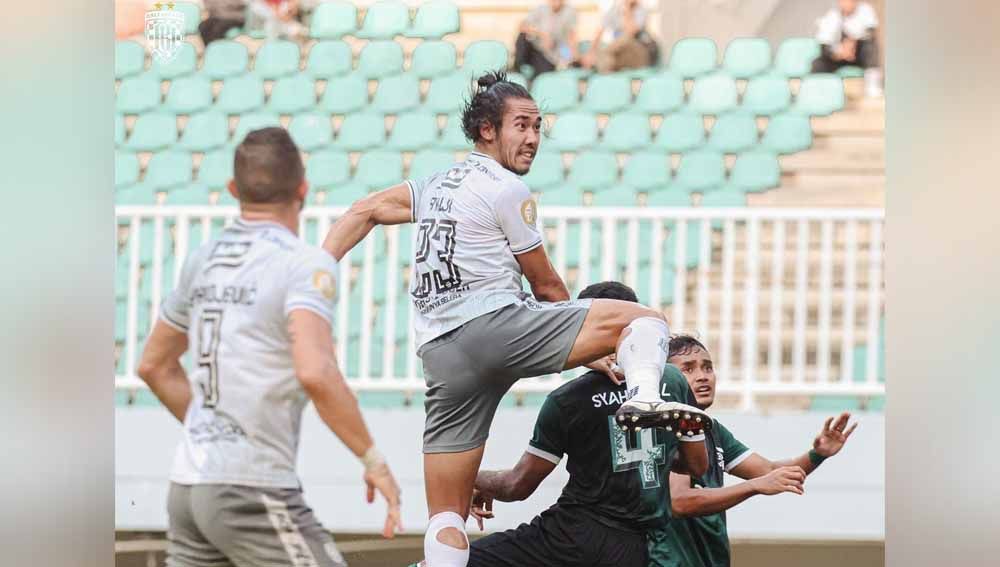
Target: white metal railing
(773, 293)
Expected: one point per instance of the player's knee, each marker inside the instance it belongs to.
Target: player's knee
(445, 544)
(452, 537)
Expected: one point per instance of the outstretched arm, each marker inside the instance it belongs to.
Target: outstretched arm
(687, 502)
(390, 206)
(829, 442)
(510, 485)
(160, 368)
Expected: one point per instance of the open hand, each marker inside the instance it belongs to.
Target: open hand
(781, 479)
(831, 440)
(481, 507)
(380, 479)
(608, 366)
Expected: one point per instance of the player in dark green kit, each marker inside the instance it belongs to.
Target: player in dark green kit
(697, 535)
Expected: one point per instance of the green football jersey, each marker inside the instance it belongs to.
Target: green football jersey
(701, 541)
(619, 479)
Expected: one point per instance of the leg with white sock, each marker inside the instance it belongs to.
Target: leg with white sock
(445, 543)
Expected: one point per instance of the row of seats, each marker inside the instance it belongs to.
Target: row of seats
(384, 20)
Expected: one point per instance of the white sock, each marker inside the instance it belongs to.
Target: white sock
(642, 355)
(437, 554)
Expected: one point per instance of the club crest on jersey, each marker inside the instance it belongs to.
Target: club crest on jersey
(164, 32)
(529, 212)
(323, 281)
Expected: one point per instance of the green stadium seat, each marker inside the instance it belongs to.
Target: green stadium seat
(184, 63)
(746, 57)
(225, 199)
(328, 59)
(130, 58)
(192, 16)
(607, 94)
(573, 131)
(616, 196)
(435, 19)
(660, 94)
(345, 95)
(138, 94)
(216, 169)
(701, 170)
(254, 121)
(191, 194)
(756, 171)
(385, 20)
(448, 94)
(379, 169)
(680, 132)
(726, 196)
(646, 171)
(292, 94)
(225, 58)
(413, 131)
(126, 169)
(333, 20)
(397, 94)
(787, 133)
(153, 131)
(518, 78)
(627, 132)
(546, 171)
(344, 196)
(205, 131)
(188, 95)
(693, 56)
(119, 129)
(819, 95)
(593, 171)
(876, 403)
(241, 94)
(766, 95)
(733, 132)
(483, 56)
(311, 130)
(692, 247)
(428, 162)
(795, 56)
(835, 404)
(644, 282)
(453, 137)
(168, 169)
(360, 132)
(276, 59)
(561, 196)
(138, 194)
(433, 59)
(713, 94)
(556, 92)
(380, 59)
(328, 169)
(669, 196)
(850, 72)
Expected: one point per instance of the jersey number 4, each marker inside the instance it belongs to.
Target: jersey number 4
(209, 326)
(648, 457)
(448, 276)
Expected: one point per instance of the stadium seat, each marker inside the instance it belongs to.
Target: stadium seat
(593, 171)
(755, 171)
(820, 95)
(733, 132)
(328, 59)
(190, 194)
(669, 196)
(435, 19)
(795, 56)
(701, 170)
(241, 94)
(333, 20)
(192, 16)
(138, 94)
(787, 133)
(428, 162)
(644, 281)
(168, 169)
(225, 58)
(573, 131)
(328, 169)
(556, 92)
(447, 94)
(546, 171)
(216, 169)
(380, 59)
(615, 196)
(119, 129)
(292, 94)
(276, 59)
(850, 72)
(360, 132)
(385, 20)
(205, 131)
(646, 171)
(189, 94)
(378, 169)
(693, 56)
(397, 94)
(626, 132)
(344, 196)
(561, 196)
(225, 199)
(680, 132)
(713, 94)
(483, 56)
(607, 94)
(126, 169)
(344, 95)
(660, 94)
(311, 130)
(184, 63)
(254, 121)
(137, 194)
(433, 59)
(746, 57)
(726, 196)
(153, 131)
(130, 58)
(766, 95)
(413, 131)
(453, 137)
(828, 404)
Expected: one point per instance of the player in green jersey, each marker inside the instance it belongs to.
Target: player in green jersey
(697, 536)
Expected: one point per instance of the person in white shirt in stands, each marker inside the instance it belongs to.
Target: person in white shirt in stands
(847, 36)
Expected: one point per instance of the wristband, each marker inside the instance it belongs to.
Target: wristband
(815, 458)
(372, 458)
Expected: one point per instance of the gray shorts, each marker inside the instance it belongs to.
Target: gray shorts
(222, 525)
(469, 369)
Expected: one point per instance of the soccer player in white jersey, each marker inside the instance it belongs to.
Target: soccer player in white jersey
(477, 330)
(255, 307)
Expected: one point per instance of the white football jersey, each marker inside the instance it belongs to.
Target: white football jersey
(471, 220)
(233, 300)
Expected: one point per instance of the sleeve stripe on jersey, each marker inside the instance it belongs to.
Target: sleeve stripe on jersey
(321, 311)
(699, 437)
(413, 201)
(166, 319)
(735, 462)
(543, 454)
(528, 248)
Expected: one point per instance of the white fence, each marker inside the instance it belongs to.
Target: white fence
(788, 300)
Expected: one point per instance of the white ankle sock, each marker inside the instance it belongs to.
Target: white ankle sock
(642, 355)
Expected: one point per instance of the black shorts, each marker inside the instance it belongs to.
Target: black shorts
(558, 537)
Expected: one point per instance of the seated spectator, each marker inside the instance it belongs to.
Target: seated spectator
(622, 41)
(847, 36)
(223, 15)
(277, 18)
(547, 38)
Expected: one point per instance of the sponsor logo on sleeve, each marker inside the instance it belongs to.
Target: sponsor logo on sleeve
(529, 212)
(323, 282)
